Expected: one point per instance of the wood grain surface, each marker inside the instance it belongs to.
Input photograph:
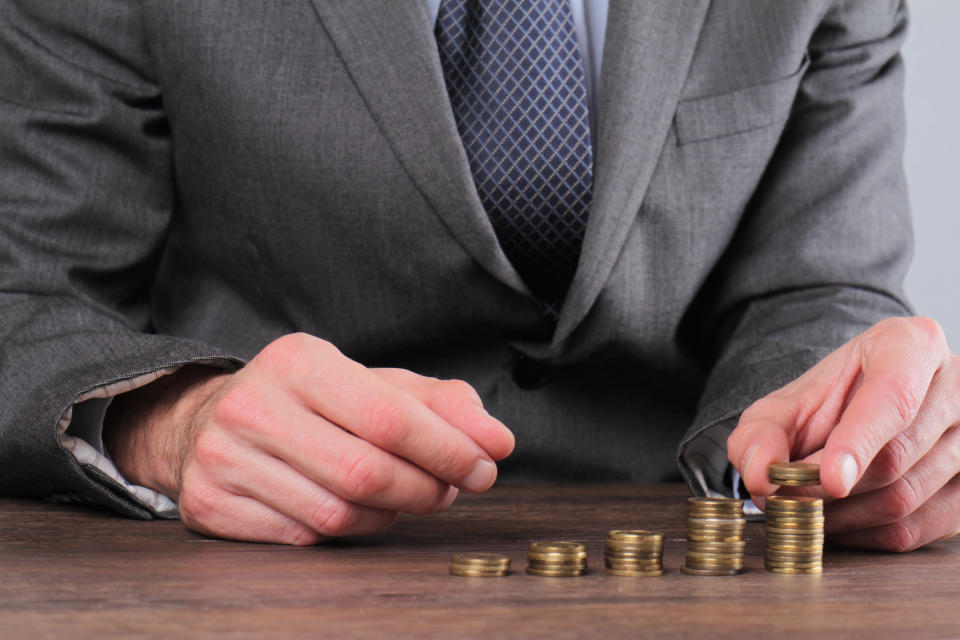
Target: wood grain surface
(67, 572)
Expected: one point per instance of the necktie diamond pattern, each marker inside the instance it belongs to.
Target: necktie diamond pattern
(517, 88)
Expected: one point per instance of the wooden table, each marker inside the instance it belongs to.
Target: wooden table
(67, 572)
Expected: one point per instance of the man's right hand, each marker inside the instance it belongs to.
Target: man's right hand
(304, 444)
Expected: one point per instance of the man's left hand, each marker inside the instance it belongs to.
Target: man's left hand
(881, 415)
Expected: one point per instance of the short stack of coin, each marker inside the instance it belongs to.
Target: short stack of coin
(794, 474)
(556, 559)
(633, 553)
(714, 537)
(480, 565)
(794, 535)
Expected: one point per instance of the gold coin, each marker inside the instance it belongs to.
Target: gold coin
(720, 523)
(708, 572)
(712, 562)
(729, 553)
(786, 564)
(712, 537)
(702, 535)
(479, 564)
(779, 472)
(789, 554)
(720, 547)
(560, 566)
(790, 570)
(794, 502)
(792, 532)
(629, 566)
(473, 572)
(557, 546)
(799, 526)
(633, 552)
(555, 573)
(609, 548)
(795, 548)
(635, 536)
(482, 559)
(702, 501)
(797, 518)
(634, 573)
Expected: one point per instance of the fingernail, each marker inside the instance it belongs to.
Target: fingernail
(747, 457)
(482, 476)
(452, 494)
(848, 471)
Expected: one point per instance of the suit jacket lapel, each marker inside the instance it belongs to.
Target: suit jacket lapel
(647, 52)
(390, 51)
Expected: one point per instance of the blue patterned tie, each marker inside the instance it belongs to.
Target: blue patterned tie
(517, 88)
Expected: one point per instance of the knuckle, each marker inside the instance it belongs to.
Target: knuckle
(284, 350)
(905, 395)
(241, 404)
(387, 420)
(364, 478)
(900, 500)
(928, 331)
(452, 463)
(197, 503)
(899, 537)
(461, 389)
(300, 536)
(430, 502)
(893, 460)
(292, 354)
(209, 451)
(388, 521)
(330, 517)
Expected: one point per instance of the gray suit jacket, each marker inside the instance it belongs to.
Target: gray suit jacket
(184, 181)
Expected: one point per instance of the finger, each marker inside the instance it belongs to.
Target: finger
(937, 519)
(214, 512)
(357, 400)
(905, 449)
(768, 442)
(324, 453)
(459, 404)
(898, 500)
(898, 366)
(274, 483)
(793, 421)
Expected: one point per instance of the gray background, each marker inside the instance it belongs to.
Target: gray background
(932, 55)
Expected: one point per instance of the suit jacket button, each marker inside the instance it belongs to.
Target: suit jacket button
(530, 374)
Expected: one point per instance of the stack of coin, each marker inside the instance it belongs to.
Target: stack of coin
(794, 474)
(556, 559)
(480, 565)
(633, 553)
(794, 535)
(714, 537)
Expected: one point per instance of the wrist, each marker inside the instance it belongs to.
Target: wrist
(147, 431)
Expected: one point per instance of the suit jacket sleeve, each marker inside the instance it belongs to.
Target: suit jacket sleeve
(823, 246)
(86, 196)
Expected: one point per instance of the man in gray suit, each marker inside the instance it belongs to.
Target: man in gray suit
(250, 272)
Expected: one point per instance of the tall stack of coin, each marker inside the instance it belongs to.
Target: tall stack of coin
(633, 553)
(794, 535)
(480, 565)
(714, 537)
(794, 524)
(556, 559)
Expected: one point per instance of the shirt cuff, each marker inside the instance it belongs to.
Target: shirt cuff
(81, 433)
(713, 475)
